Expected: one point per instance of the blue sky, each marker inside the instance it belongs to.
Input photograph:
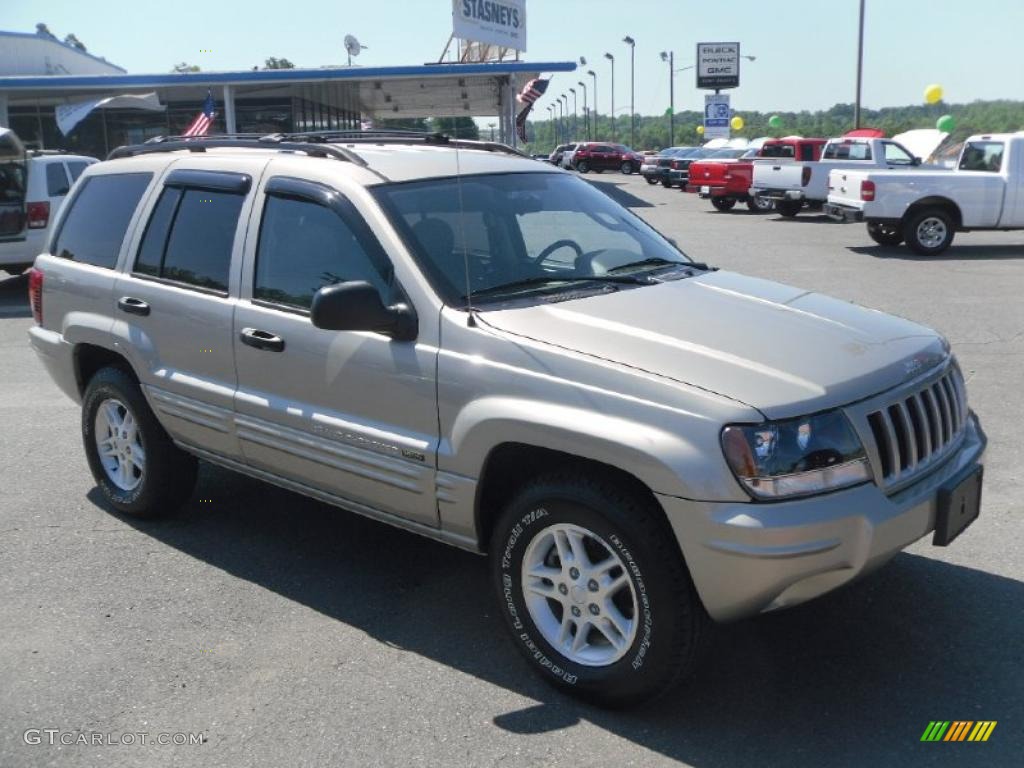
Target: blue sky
(805, 49)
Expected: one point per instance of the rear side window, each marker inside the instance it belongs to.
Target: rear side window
(807, 152)
(189, 238)
(848, 150)
(982, 156)
(304, 246)
(75, 168)
(777, 150)
(95, 225)
(56, 180)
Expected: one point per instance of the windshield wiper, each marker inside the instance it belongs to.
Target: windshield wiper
(530, 282)
(658, 262)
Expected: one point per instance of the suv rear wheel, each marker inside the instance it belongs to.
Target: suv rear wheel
(595, 592)
(929, 232)
(582, 166)
(135, 464)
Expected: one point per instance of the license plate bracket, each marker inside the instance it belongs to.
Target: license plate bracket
(959, 503)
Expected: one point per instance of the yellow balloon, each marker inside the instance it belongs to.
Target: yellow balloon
(933, 93)
(700, 130)
(736, 123)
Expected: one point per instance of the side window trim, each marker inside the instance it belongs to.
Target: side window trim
(313, 192)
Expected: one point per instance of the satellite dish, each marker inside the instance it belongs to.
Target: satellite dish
(353, 46)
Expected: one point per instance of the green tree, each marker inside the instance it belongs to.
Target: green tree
(456, 127)
(275, 63)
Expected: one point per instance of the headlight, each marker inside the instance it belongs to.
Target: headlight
(796, 457)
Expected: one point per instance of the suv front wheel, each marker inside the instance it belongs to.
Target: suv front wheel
(135, 464)
(594, 590)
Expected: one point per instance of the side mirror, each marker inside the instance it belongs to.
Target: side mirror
(357, 306)
(916, 161)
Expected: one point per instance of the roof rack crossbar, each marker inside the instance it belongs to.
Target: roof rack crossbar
(401, 137)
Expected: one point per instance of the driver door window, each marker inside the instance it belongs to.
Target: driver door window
(304, 246)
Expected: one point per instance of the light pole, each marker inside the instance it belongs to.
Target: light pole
(551, 119)
(593, 74)
(670, 57)
(632, 89)
(860, 66)
(586, 114)
(575, 132)
(612, 60)
(564, 101)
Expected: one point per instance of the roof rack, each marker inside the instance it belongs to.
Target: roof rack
(313, 143)
(242, 140)
(400, 136)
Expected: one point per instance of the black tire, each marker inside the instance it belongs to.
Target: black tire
(789, 208)
(14, 270)
(582, 166)
(652, 181)
(723, 203)
(757, 204)
(936, 222)
(885, 234)
(666, 183)
(169, 473)
(626, 168)
(665, 647)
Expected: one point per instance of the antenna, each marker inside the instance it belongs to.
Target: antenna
(353, 47)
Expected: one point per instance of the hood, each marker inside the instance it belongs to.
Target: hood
(782, 350)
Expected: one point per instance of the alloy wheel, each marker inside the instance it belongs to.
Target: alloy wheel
(119, 444)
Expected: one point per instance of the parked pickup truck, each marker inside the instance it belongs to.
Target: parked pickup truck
(925, 208)
(726, 182)
(791, 184)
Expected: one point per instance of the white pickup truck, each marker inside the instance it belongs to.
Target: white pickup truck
(791, 184)
(925, 208)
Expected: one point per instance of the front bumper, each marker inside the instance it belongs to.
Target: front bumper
(843, 213)
(754, 557)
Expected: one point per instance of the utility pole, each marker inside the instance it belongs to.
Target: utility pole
(632, 89)
(612, 60)
(860, 66)
(670, 57)
(586, 114)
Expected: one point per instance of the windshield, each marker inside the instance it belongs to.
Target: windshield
(725, 153)
(518, 228)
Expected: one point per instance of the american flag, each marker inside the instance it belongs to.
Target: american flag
(532, 91)
(204, 119)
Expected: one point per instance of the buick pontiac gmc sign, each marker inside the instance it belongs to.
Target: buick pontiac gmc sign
(492, 22)
(718, 65)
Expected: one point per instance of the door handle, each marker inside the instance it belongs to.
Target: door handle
(261, 339)
(133, 306)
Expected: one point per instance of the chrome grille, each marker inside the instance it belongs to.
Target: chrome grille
(921, 428)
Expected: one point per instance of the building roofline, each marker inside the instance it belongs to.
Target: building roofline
(58, 41)
(44, 82)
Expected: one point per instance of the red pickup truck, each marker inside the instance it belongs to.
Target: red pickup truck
(727, 182)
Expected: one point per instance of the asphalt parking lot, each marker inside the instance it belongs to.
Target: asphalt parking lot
(289, 633)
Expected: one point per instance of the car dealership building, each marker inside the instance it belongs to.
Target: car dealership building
(47, 84)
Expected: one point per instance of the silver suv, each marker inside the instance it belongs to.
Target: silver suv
(456, 340)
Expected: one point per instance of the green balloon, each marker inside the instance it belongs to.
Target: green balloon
(775, 121)
(946, 123)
